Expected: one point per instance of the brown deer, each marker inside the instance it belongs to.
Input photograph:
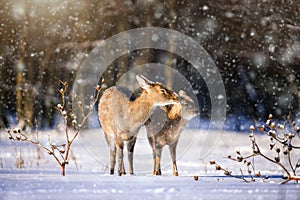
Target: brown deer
(122, 113)
(177, 117)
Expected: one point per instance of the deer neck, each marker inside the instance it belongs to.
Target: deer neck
(140, 110)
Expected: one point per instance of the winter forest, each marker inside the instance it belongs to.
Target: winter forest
(255, 46)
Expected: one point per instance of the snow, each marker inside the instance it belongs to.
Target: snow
(87, 174)
(95, 186)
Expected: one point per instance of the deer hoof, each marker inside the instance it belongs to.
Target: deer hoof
(111, 172)
(175, 173)
(157, 173)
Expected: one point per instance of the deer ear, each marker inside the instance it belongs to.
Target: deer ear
(143, 82)
(182, 93)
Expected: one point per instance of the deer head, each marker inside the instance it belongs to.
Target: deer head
(158, 94)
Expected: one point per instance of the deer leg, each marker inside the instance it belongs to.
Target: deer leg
(172, 148)
(157, 170)
(112, 152)
(130, 149)
(112, 158)
(154, 161)
(120, 147)
(152, 140)
(123, 168)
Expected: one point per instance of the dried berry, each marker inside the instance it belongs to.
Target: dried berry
(59, 106)
(280, 126)
(73, 116)
(285, 150)
(196, 178)
(271, 133)
(258, 174)
(291, 135)
(262, 128)
(227, 173)
(255, 151)
(74, 122)
(285, 176)
(272, 146)
(270, 116)
(18, 137)
(218, 167)
(64, 113)
(53, 145)
(15, 131)
(272, 125)
(239, 159)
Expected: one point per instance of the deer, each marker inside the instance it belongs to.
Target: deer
(122, 113)
(178, 116)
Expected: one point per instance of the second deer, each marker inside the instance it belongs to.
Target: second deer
(177, 118)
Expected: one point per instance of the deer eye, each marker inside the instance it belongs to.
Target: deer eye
(163, 91)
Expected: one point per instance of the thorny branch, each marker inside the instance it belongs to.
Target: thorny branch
(59, 152)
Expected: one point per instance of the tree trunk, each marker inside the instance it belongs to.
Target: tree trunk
(169, 60)
(24, 96)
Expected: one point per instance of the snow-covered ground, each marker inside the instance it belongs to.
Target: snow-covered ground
(87, 174)
(22, 185)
